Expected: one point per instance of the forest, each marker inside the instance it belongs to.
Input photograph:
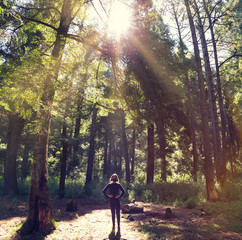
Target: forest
(147, 89)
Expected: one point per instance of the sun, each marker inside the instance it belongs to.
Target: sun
(120, 19)
(111, 17)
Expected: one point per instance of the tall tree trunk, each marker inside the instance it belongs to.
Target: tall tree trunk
(25, 162)
(105, 158)
(76, 133)
(120, 144)
(91, 152)
(115, 161)
(233, 140)
(189, 101)
(162, 145)
(211, 96)
(63, 162)
(125, 145)
(151, 155)
(15, 127)
(40, 214)
(109, 132)
(133, 153)
(110, 149)
(220, 100)
(212, 194)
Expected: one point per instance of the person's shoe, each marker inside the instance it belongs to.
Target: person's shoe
(118, 235)
(112, 234)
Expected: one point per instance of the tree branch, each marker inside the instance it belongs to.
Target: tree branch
(215, 6)
(39, 9)
(226, 60)
(38, 21)
(86, 42)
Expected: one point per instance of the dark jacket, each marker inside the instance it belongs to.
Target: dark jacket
(113, 189)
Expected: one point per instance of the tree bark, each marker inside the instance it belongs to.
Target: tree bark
(212, 194)
(125, 146)
(189, 101)
(105, 157)
(133, 153)
(211, 96)
(76, 133)
(115, 160)
(110, 149)
(63, 162)
(25, 162)
(151, 155)
(39, 214)
(220, 100)
(15, 127)
(91, 152)
(162, 145)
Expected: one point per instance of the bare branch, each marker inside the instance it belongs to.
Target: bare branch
(97, 12)
(103, 8)
(226, 60)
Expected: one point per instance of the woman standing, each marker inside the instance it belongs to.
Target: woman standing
(114, 199)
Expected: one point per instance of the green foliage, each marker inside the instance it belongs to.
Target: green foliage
(230, 211)
(73, 188)
(22, 85)
(178, 203)
(53, 165)
(147, 196)
(191, 203)
(24, 186)
(131, 195)
(171, 192)
(231, 191)
(167, 192)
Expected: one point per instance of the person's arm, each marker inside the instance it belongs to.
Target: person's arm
(122, 191)
(105, 190)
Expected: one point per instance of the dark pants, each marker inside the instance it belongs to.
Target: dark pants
(115, 206)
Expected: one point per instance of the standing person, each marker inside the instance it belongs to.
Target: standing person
(114, 199)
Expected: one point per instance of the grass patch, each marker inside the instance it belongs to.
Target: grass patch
(230, 213)
(171, 231)
(154, 231)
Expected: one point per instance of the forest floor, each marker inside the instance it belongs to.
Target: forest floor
(92, 221)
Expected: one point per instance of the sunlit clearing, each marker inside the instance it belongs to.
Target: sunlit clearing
(119, 19)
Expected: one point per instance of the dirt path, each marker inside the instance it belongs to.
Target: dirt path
(94, 222)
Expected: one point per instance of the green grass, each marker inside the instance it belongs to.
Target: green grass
(230, 213)
(175, 232)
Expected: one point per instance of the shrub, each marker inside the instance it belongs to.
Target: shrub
(231, 191)
(178, 203)
(191, 203)
(171, 192)
(131, 195)
(147, 196)
(168, 192)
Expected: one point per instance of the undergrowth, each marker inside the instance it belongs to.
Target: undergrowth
(187, 194)
(229, 211)
(167, 192)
